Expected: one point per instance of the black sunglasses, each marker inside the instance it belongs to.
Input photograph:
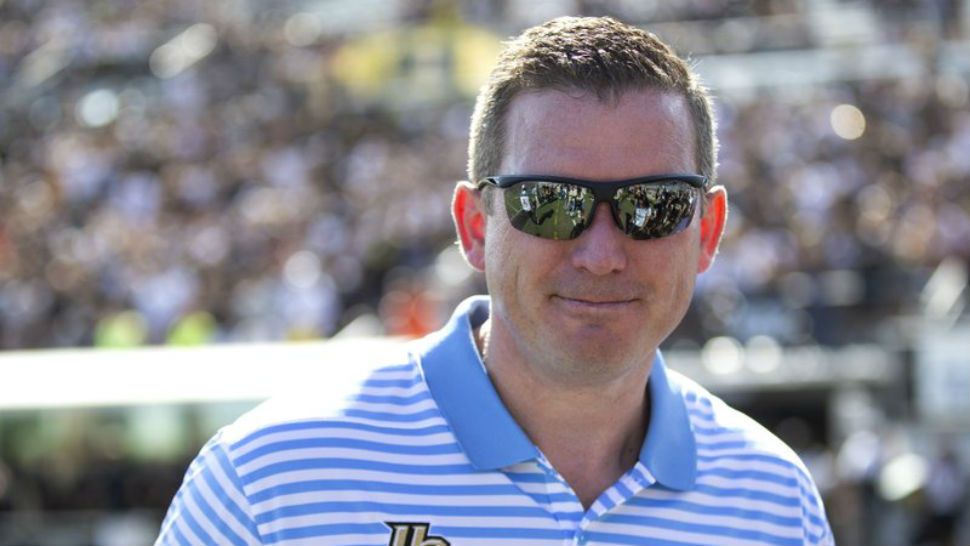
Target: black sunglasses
(555, 207)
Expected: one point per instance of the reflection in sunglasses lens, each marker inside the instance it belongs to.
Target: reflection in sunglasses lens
(560, 211)
(652, 211)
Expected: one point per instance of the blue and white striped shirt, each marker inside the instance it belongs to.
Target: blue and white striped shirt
(424, 453)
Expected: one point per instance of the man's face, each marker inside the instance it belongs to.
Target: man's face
(595, 307)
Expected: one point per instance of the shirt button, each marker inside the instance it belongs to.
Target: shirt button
(581, 538)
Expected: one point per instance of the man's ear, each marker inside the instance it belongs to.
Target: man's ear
(469, 215)
(712, 226)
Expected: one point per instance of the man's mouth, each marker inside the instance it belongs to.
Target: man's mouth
(595, 301)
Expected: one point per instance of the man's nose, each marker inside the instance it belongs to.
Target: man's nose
(601, 249)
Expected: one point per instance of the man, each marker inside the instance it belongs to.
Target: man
(543, 414)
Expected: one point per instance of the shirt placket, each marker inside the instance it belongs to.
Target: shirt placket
(562, 500)
(628, 486)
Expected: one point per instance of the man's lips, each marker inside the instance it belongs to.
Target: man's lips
(594, 302)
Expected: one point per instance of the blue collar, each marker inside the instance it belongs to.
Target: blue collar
(489, 434)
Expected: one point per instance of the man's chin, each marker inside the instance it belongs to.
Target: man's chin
(595, 351)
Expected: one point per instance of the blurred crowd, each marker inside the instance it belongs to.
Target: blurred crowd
(186, 173)
(887, 487)
(249, 195)
(839, 234)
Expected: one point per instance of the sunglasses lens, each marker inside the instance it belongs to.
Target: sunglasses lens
(652, 211)
(550, 210)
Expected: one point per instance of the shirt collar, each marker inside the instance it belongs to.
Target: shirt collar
(669, 451)
(489, 434)
(464, 394)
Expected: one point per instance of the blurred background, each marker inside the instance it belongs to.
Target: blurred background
(198, 199)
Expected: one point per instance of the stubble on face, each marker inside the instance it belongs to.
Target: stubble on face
(593, 309)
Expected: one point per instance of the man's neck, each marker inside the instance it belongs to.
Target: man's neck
(592, 433)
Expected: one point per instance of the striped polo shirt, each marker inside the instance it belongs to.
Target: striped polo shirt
(422, 452)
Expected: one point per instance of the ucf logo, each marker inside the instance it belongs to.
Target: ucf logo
(413, 534)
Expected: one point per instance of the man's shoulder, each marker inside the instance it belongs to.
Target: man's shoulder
(724, 432)
(737, 454)
(360, 398)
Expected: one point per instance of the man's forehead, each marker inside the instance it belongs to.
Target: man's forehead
(563, 102)
(573, 126)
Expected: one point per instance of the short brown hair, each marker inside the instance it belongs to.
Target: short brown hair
(594, 54)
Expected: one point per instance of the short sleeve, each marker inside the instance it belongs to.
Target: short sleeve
(814, 522)
(210, 508)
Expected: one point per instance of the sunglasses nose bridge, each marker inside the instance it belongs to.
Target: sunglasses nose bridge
(610, 215)
(601, 249)
(614, 206)
(607, 198)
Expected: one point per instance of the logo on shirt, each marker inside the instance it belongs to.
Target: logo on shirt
(413, 534)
